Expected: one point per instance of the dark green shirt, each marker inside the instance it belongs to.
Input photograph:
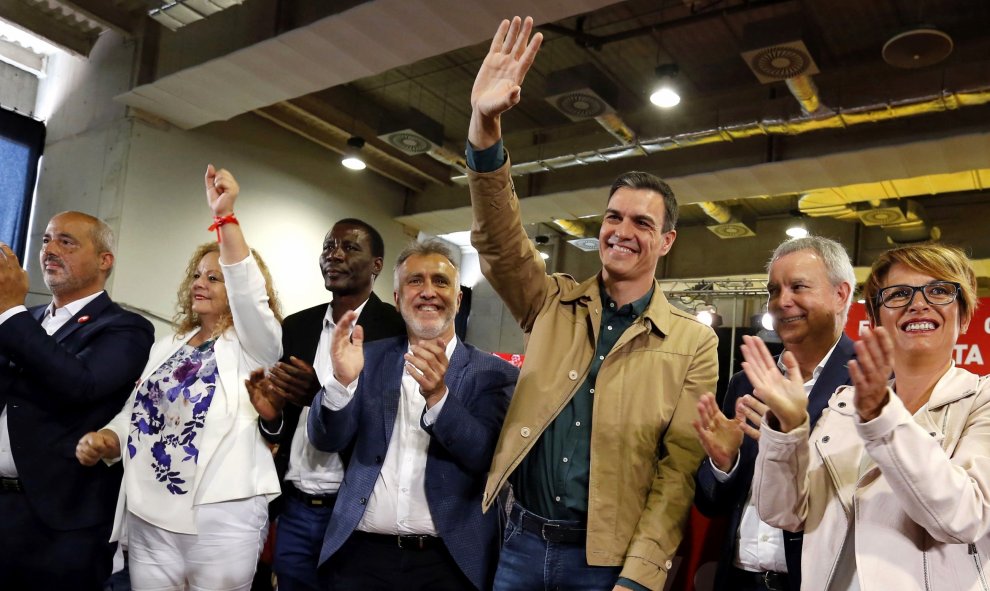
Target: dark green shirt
(552, 480)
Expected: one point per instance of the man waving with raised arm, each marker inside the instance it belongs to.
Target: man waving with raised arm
(598, 443)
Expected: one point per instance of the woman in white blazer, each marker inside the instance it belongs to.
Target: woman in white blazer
(197, 474)
(892, 489)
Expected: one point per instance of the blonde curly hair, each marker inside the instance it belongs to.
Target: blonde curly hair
(185, 320)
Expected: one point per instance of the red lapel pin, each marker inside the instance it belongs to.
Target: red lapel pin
(83, 319)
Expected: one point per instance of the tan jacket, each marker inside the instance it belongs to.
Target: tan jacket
(920, 497)
(644, 451)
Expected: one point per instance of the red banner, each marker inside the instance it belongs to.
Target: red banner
(513, 358)
(968, 353)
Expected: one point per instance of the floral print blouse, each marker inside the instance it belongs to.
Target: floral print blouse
(168, 416)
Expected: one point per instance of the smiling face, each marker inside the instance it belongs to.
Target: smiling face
(428, 296)
(920, 328)
(208, 292)
(632, 239)
(807, 309)
(347, 262)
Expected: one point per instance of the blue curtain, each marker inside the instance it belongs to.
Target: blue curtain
(22, 140)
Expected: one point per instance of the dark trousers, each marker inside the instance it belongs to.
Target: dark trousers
(298, 540)
(34, 557)
(376, 563)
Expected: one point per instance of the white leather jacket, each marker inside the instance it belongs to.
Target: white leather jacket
(920, 496)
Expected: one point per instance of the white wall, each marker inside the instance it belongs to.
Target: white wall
(147, 183)
(291, 193)
(18, 89)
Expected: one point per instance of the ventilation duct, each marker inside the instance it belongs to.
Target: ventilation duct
(416, 133)
(583, 92)
(918, 48)
(778, 54)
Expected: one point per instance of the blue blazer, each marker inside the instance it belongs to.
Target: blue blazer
(58, 388)
(729, 498)
(463, 440)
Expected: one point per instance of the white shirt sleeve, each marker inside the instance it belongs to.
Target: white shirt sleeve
(335, 396)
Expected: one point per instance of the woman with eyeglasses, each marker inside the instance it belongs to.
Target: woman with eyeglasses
(892, 489)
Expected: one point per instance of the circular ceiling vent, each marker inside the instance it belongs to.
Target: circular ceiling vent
(581, 105)
(780, 62)
(917, 48)
(409, 143)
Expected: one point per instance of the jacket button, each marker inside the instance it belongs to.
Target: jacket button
(378, 459)
(364, 501)
(841, 405)
(524, 431)
(668, 564)
(573, 374)
(825, 439)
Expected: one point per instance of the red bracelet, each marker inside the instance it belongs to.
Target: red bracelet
(219, 221)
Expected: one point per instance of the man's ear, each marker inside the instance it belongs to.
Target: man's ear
(106, 261)
(376, 266)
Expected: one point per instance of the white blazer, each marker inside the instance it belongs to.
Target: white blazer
(917, 486)
(234, 461)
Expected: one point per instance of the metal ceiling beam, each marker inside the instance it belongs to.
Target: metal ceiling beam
(48, 26)
(105, 13)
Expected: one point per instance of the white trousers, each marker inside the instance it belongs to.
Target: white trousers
(221, 557)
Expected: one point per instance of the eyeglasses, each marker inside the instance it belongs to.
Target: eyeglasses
(937, 293)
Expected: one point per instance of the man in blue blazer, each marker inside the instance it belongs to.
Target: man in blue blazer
(811, 284)
(65, 370)
(423, 413)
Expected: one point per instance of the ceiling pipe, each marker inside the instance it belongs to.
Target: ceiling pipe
(805, 91)
(827, 119)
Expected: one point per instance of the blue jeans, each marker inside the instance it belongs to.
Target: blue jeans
(298, 541)
(529, 563)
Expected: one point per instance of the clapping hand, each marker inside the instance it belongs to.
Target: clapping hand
(13, 279)
(265, 399)
(720, 436)
(346, 352)
(427, 364)
(870, 372)
(783, 395)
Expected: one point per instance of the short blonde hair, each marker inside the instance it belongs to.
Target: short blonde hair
(185, 320)
(945, 263)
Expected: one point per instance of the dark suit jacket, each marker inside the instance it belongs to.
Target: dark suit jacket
(463, 439)
(729, 498)
(58, 388)
(300, 338)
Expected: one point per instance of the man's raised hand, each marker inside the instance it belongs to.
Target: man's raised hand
(498, 86)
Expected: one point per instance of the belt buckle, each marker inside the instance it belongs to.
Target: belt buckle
(547, 535)
(771, 580)
(418, 545)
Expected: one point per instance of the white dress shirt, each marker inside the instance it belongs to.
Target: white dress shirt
(398, 502)
(759, 546)
(54, 319)
(310, 470)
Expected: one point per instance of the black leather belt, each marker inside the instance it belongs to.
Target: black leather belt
(403, 542)
(550, 530)
(769, 580)
(308, 499)
(11, 485)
